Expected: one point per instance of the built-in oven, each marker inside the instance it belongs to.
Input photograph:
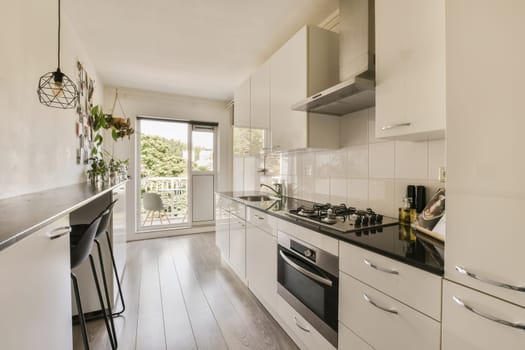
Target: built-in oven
(308, 280)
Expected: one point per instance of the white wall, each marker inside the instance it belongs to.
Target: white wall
(37, 143)
(365, 171)
(136, 103)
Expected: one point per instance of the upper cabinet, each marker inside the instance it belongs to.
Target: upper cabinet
(260, 97)
(242, 105)
(410, 69)
(305, 65)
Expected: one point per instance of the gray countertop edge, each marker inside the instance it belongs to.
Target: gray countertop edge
(18, 236)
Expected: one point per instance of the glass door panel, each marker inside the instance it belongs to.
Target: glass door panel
(163, 169)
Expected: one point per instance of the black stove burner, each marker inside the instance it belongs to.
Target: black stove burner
(340, 217)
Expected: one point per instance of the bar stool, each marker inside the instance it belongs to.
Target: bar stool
(103, 227)
(81, 244)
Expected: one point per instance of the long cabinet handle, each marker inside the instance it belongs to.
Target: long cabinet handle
(59, 232)
(300, 325)
(463, 271)
(374, 266)
(305, 272)
(370, 301)
(487, 316)
(393, 126)
(258, 217)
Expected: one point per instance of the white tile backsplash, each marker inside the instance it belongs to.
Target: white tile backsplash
(365, 171)
(411, 160)
(381, 160)
(381, 194)
(436, 158)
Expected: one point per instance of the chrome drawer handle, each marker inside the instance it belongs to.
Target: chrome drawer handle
(393, 126)
(370, 301)
(59, 232)
(487, 316)
(300, 326)
(462, 271)
(374, 266)
(258, 217)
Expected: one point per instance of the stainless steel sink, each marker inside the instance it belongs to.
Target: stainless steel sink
(256, 198)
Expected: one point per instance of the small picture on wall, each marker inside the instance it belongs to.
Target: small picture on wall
(87, 133)
(79, 128)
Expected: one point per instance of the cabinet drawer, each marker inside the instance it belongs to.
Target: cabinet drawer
(417, 288)
(348, 340)
(302, 332)
(465, 330)
(262, 220)
(329, 244)
(383, 322)
(238, 209)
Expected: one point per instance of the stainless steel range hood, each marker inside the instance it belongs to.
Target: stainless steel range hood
(357, 51)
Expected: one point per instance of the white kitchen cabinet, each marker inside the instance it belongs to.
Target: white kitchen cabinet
(485, 143)
(261, 261)
(222, 226)
(300, 330)
(383, 322)
(465, 329)
(237, 236)
(410, 69)
(238, 245)
(410, 285)
(260, 98)
(241, 102)
(36, 291)
(348, 340)
(303, 66)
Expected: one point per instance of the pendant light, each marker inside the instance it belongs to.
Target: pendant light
(55, 89)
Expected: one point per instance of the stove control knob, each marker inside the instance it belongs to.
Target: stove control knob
(365, 220)
(308, 253)
(373, 218)
(358, 221)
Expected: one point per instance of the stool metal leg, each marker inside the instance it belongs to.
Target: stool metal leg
(101, 301)
(108, 299)
(80, 312)
(118, 313)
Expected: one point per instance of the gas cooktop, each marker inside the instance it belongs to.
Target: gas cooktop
(341, 218)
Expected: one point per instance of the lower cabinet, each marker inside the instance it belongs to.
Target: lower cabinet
(300, 330)
(348, 340)
(261, 265)
(383, 322)
(476, 321)
(222, 228)
(238, 246)
(36, 291)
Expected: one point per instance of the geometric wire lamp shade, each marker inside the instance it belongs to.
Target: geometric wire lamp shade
(55, 89)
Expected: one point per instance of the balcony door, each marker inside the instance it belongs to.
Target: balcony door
(170, 154)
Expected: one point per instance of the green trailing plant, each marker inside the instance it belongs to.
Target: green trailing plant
(120, 127)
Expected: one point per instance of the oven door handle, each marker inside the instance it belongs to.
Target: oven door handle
(305, 272)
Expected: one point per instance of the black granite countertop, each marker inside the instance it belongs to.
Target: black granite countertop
(22, 215)
(396, 241)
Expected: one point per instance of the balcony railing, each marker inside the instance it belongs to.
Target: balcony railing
(173, 192)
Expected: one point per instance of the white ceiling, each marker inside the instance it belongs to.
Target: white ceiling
(201, 48)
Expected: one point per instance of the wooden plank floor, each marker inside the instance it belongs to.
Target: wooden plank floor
(180, 295)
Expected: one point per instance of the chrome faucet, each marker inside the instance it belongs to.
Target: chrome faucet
(278, 190)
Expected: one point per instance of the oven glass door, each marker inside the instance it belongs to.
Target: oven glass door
(313, 287)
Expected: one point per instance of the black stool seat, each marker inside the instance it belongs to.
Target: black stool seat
(81, 243)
